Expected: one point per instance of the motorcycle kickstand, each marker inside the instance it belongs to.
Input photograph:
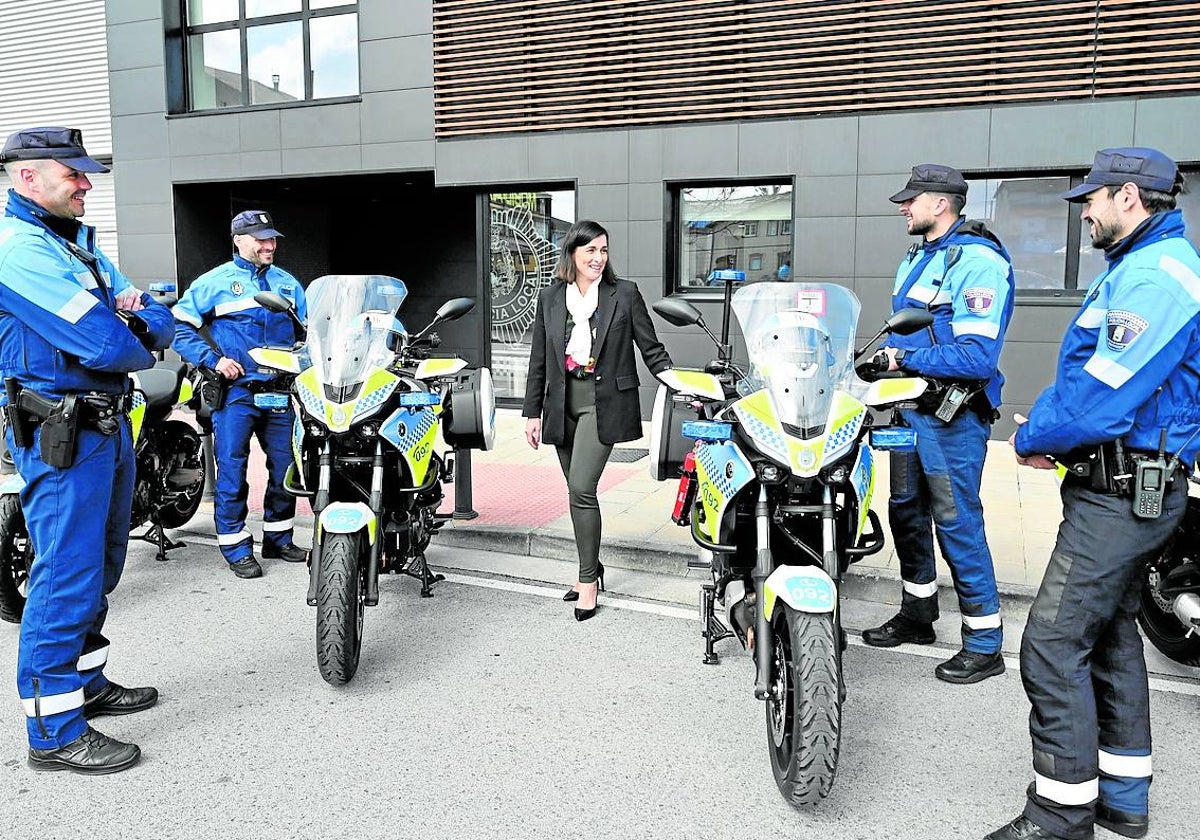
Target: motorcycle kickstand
(156, 536)
(426, 575)
(714, 631)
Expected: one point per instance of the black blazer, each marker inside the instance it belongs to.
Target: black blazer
(621, 319)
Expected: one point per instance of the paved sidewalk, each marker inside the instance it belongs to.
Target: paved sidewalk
(521, 498)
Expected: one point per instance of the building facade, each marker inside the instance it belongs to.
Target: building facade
(450, 143)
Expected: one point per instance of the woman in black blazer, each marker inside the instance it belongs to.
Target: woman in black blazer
(581, 394)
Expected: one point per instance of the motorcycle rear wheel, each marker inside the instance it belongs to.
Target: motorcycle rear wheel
(340, 606)
(16, 558)
(1162, 627)
(180, 443)
(804, 725)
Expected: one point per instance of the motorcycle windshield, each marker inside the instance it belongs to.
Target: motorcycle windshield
(800, 340)
(349, 319)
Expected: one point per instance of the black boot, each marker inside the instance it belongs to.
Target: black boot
(1023, 828)
(247, 567)
(290, 553)
(897, 630)
(114, 699)
(1125, 823)
(92, 752)
(967, 667)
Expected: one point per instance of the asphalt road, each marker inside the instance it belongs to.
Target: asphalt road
(488, 712)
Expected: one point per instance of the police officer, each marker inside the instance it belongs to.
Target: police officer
(71, 328)
(1124, 392)
(221, 303)
(961, 273)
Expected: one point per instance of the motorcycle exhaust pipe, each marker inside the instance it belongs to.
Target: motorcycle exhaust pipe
(1187, 610)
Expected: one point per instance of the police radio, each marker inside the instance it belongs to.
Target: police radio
(1150, 481)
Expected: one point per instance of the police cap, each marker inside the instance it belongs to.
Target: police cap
(64, 145)
(931, 177)
(256, 223)
(1148, 168)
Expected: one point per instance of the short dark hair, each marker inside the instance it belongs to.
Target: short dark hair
(1156, 201)
(580, 234)
(957, 202)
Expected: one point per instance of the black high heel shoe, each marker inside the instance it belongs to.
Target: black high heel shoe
(573, 594)
(584, 615)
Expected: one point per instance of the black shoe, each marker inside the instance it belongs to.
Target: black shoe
(572, 594)
(247, 567)
(897, 630)
(92, 752)
(114, 699)
(584, 615)
(1122, 822)
(966, 667)
(290, 553)
(1023, 828)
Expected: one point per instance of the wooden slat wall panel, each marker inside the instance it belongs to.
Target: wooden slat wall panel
(539, 65)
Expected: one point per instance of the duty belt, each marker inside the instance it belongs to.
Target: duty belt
(1100, 469)
(263, 386)
(97, 410)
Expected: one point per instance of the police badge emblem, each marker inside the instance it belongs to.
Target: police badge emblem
(237, 288)
(979, 300)
(1123, 328)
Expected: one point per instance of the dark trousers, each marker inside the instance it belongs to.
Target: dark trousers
(1082, 661)
(582, 457)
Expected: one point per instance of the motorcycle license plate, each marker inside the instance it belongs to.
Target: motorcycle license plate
(271, 400)
(899, 438)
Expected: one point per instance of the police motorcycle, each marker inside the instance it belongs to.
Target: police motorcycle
(1170, 608)
(170, 473)
(776, 490)
(370, 401)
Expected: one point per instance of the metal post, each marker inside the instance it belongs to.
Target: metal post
(463, 504)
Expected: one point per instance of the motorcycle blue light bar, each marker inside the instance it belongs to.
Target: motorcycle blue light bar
(707, 430)
(728, 274)
(899, 438)
(162, 288)
(413, 399)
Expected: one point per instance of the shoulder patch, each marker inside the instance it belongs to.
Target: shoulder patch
(979, 299)
(237, 288)
(1124, 328)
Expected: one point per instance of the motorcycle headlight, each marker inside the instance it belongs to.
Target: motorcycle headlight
(368, 430)
(315, 430)
(838, 474)
(769, 473)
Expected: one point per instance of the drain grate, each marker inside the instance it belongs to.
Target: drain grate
(627, 455)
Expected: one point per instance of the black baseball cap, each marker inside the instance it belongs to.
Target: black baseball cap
(931, 177)
(256, 223)
(1148, 168)
(64, 145)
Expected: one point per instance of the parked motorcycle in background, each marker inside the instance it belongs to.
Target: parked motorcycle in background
(777, 492)
(370, 401)
(1170, 610)
(169, 480)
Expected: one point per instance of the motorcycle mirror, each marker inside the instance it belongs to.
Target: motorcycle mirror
(908, 321)
(678, 312)
(274, 302)
(454, 308)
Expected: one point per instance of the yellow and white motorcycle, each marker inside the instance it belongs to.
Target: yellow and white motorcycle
(370, 401)
(777, 492)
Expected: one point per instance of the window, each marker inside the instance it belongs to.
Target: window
(1047, 239)
(713, 224)
(269, 52)
(773, 228)
(785, 227)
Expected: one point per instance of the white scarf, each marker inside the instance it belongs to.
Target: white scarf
(581, 307)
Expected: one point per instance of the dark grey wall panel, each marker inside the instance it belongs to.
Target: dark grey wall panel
(817, 196)
(206, 167)
(135, 44)
(396, 63)
(1171, 124)
(141, 90)
(646, 202)
(769, 148)
(645, 155)
(604, 201)
(498, 160)
(590, 157)
(145, 181)
(413, 155)
(259, 131)
(395, 19)
(894, 142)
(212, 135)
(829, 146)
(1058, 135)
(705, 151)
(117, 12)
(140, 136)
(319, 125)
(881, 242)
(824, 247)
(645, 252)
(261, 164)
(399, 115)
(322, 160)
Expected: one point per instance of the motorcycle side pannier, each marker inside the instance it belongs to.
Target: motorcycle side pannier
(668, 446)
(470, 419)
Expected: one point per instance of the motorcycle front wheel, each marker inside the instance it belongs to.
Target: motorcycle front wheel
(16, 558)
(340, 606)
(804, 716)
(1162, 627)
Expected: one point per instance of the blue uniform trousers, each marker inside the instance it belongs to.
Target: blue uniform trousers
(1082, 661)
(938, 485)
(78, 519)
(233, 426)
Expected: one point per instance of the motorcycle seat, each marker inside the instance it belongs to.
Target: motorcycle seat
(160, 385)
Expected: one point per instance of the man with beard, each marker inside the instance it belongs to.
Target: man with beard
(72, 327)
(221, 304)
(1123, 417)
(961, 273)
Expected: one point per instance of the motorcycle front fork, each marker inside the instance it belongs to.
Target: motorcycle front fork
(764, 633)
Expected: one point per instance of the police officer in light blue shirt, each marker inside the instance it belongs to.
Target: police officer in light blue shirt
(71, 329)
(219, 322)
(1123, 415)
(961, 273)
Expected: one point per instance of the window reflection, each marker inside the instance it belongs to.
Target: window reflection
(211, 11)
(216, 69)
(334, 55)
(744, 227)
(276, 56)
(262, 8)
(1031, 220)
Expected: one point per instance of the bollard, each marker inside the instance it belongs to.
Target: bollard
(463, 508)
